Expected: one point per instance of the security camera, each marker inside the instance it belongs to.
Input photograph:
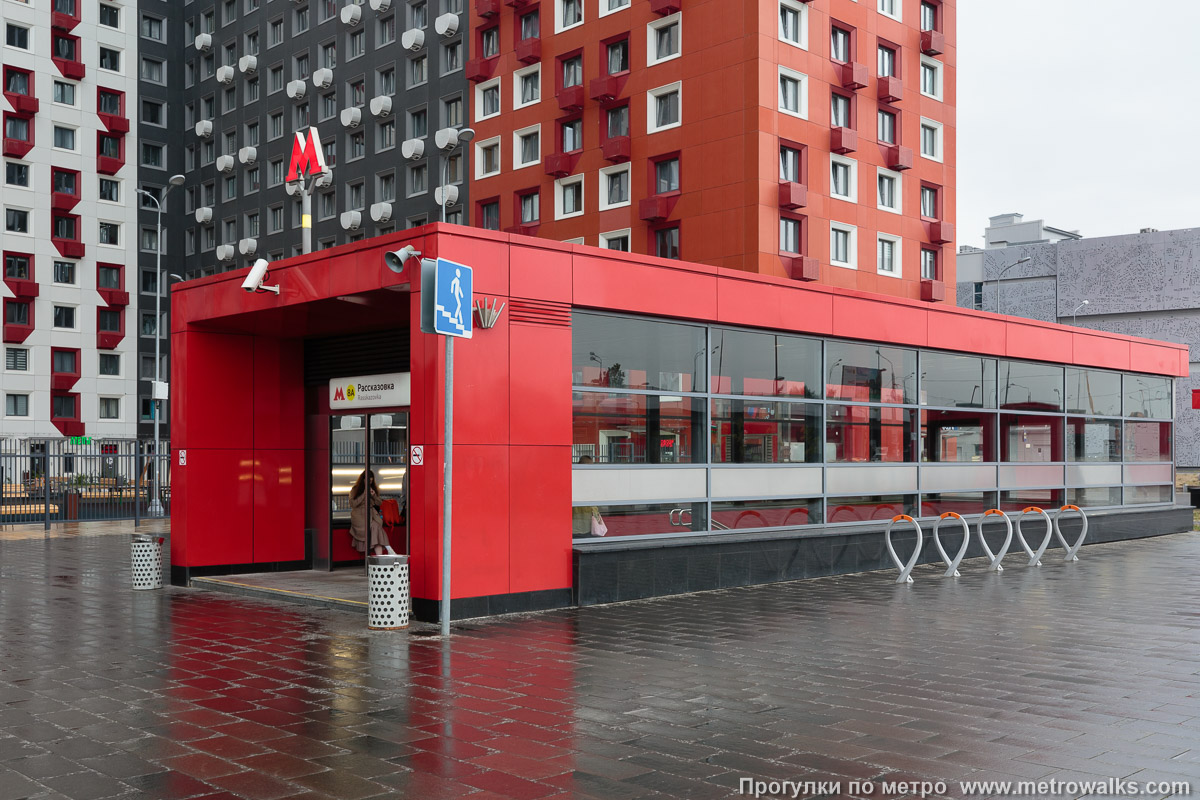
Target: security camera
(258, 273)
(396, 258)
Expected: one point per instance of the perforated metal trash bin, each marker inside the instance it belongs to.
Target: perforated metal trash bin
(147, 561)
(387, 592)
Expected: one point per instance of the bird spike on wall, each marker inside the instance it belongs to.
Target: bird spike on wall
(488, 315)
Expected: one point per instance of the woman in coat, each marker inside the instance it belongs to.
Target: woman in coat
(358, 516)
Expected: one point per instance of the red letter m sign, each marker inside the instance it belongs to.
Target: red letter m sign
(338, 394)
(307, 156)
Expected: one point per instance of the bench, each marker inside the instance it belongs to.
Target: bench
(28, 510)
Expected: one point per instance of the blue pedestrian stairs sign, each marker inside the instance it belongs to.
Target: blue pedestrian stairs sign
(446, 298)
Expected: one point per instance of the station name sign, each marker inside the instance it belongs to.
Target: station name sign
(371, 391)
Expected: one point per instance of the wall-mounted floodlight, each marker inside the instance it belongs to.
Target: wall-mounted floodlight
(396, 258)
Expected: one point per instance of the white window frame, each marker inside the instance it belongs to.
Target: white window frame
(852, 245)
(898, 195)
(938, 139)
(601, 11)
(560, 187)
(802, 11)
(100, 405)
(651, 35)
(558, 16)
(482, 87)
(517, 134)
(609, 235)
(853, 165)
(75, 134)
(479, 146)
(897, 243)
(75, 318)
(801, 93)
(936, 66)
(28, 359)
(516, 89)
(899, 5)
(75, 86)
(28, 221)
(602, 188)
(651, 106)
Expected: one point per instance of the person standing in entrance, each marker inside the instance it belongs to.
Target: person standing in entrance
(366, 522)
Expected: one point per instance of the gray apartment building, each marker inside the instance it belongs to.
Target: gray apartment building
(1141, 284)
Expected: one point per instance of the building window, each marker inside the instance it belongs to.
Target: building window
(663, 108)
(929, 202)
(839, 44)
(152, 155)
(614, 187)
(63, 406)
(617, 121)
(887, 62)
(666, 242)
(110, 59)
(16, 220)
(929, 17)
(300, 20)
(790, 166)
(931, 78)
(108, 320)
(64, 93)
(487, 99)
(617, 57)
(843, 178)
(663, 40)
(16, 267)
(16, 313)
(110, 408)
(666, 176)
(16, 174)
(568, 197)
(888, 258)
(275, 80)
(16, 359)
(451, 57)
(65, 228)
(570, 14)
(793, 93)
(329, 55)
(17, 36)
(358, 44)
(931, 139)
(418, 123)
(64, 317)
(530, 25)
(110, 233)
(616, 240)
(527, 150)
(890, 190)
(110, 364)
(842, 244)
(929, 272)
(64, 272)
(978, 288)
(386, 81)
(418, 179)
(487, 158)
(789, 235)
(489, 42)
(530, 208)
(386, 32)
(489, 215)
(300, 67)
(887, 127)
(64, 138)
(152, 113)
(527, 86)
(149, 239)
(358, 143)
(839, 110)
(890, 8)
(793, 23)
(572, 71)
(452, 112)
(572, 135)
(16, 405)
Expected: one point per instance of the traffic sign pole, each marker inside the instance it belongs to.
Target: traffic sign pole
(447, 486)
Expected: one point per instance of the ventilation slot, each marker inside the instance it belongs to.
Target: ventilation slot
(533, 312)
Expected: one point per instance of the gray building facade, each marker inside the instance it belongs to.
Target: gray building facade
(1145, 284)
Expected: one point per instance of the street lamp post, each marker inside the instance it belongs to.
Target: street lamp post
(156, 393)
(1001, 275)
(464, 135)
(1076, 311)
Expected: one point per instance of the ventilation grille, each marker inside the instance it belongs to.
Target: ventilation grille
(536, 312)
(355, 354)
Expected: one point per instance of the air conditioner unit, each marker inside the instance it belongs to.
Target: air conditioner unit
(445, 138)
(446, 24)
(248, 64)
(224, 163)
(297, 89)
(324, 180)
(203, 215)
(381, 106)
(381, 212)
(381, 5)
(351, 14)
(204, 128)
(351, 117)
(248, 155)
(412, 149)
(323, 78)
(226, 252)
(412, 39)
(248, 247)
(352, 220)
(225, 74)
(203, 42)
(450, 193)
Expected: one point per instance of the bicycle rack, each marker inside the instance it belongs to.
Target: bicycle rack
(995, 558)
(905, 569)
(1072, 550)
(1035, 558)
(952, 565)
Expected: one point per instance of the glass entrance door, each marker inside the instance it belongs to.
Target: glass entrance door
(382, 441)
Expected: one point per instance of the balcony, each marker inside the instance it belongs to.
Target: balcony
(114, 297)
(63, 381)
(115, 123)
(570, 98)
(21, 288)
(932, 291)
(802, 268)
(933, 43)
(656, 208)
(64, 22)
(517, 5)
(74, 70)
(524, 229)
(529, 51)
(843, 140)
(854, 76)
(22, 103)
(480, 69)
(899, 158)
(559, 165)
(941, 232)
(17, 148)
(617, 149)
(108, 340)
(69, 248)
(15, 333)
(109, 165)
(891, 90)
(792, 195)
(487, 8)
(63, 201)
(665, 7)
(69, 427)
(605, 88)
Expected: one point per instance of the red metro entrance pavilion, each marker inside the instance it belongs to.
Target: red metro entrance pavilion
(723, 428)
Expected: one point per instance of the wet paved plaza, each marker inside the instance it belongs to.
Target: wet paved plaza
(1082, 671)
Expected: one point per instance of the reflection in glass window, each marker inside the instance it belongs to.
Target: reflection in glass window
(1093, 392)
(746, 514)
(1135, 495)
(1030, 438)
(1147, 441)
(962, 503)
(958, 381)
(1092, 496)
(637, 429)
(1147, 396)
(765, 364)
(1028, 386)
(758, 432)
(1093, 439)
(869, 433)
(624, 353)
(864, 508)
(869, 373)
(1018, 499)
(958, 436)
(641, 519)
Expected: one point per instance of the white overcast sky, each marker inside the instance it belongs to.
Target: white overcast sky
(1085, 113)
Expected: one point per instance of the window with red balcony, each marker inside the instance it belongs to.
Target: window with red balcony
(64, 52)
(64, 407)
(18, 320)
(64, 234)
(931, 16)
(666, 241)
(19, 91)
(489, 214)
(614, 133)
(793, 234)
(931, 201)
(18, 266)
(489, 42)
(842, 111)
(527, 38)
(110, 107)
(530, 27)
(569, 80)
(664, 180)
(527, 211)
(18, 135)
(64, 188)
(570, 134)
(929, 265)
(110, 153)
(110, 327)
(65, 14)
(614, 68)
(841, 43)
(793, 175)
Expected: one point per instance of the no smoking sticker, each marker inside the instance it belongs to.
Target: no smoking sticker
(416, 455)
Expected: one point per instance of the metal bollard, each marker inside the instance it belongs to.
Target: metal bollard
(388, 598)
(147, 561)
(905, 569)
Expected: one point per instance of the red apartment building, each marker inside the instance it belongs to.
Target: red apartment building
(813, 140)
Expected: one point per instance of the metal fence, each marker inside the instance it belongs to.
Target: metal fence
(82, 478)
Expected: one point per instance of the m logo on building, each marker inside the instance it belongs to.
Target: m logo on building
(307, 156)
(338, 394)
